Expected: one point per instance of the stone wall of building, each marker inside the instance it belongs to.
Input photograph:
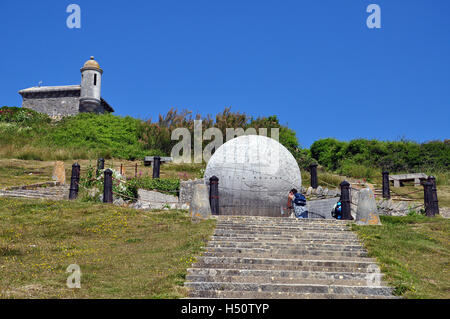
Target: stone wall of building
(54, 106)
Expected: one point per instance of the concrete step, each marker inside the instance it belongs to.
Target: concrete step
(214, 294)
(282, 253)
(292, 288)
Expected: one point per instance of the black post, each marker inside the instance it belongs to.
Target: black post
(313, 171)
(214, 195)
(156, 166)
(107, 187)
(434, 198)
(74, 180)
(428, 198)
(386, 189)
(100, 164)
(345, 200)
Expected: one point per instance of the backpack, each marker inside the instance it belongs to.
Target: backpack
(299, 199)
(337, 211)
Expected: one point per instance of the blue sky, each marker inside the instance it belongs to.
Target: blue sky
(314, 63)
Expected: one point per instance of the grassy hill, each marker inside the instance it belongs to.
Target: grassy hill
(32, 136)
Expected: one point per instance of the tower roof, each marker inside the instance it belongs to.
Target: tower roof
(92, 64)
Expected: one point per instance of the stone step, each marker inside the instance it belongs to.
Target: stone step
(283, 228)
(254, 219)
(215, 294)
(292, 288)
(281, 253)
(272, 257)
(287, 234)
(31, 196)
(358, 262)
(278, 245)
(288, 256)
(280, 273)
(280, 280)
(232, 262)
(297, 240)
(284, 267)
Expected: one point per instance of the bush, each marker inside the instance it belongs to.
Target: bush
(22, 116)
(169, 186)
(111, 136)
(361, 158)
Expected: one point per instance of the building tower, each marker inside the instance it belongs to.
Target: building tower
(91, 82)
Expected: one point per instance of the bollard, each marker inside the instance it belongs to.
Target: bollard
(313, 171)
(74, 180)
(386, 189)
(100, 164)
(107, 187)
(428, 199)
(345, 200)
(156, 166)
(214, 195)
(433, 199)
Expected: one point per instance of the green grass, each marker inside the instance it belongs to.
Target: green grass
(123, 253)
(413, 252)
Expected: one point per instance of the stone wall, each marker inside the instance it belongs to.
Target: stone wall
(55, 107)
(321, 208)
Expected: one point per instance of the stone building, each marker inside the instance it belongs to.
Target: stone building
(60, 101)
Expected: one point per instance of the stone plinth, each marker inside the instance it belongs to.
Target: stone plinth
(367, 213)
(200, 207)
(59, 173)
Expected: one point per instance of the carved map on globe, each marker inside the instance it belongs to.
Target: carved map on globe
(255, 175)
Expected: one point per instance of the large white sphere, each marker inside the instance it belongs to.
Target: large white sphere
(255, 175)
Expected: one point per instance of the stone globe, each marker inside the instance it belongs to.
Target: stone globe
(255, 175)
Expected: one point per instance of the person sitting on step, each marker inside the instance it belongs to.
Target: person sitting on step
(298, 202)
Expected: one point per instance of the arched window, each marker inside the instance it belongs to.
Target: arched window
(95, 79)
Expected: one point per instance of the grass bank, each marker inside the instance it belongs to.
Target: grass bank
(413, 252)
(122, 253)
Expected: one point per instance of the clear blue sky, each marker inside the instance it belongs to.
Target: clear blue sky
(314, 63)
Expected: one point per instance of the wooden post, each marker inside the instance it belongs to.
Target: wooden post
(74, 181)
(386, 189)
(428, 198)
(135, 170)
(313, 171)
(345, 200)
(214, 195)
(100, 164)
(434, 198)
(156, 166)
(107, 187)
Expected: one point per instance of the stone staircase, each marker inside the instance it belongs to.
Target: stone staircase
(51, 192)
(268, 257)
